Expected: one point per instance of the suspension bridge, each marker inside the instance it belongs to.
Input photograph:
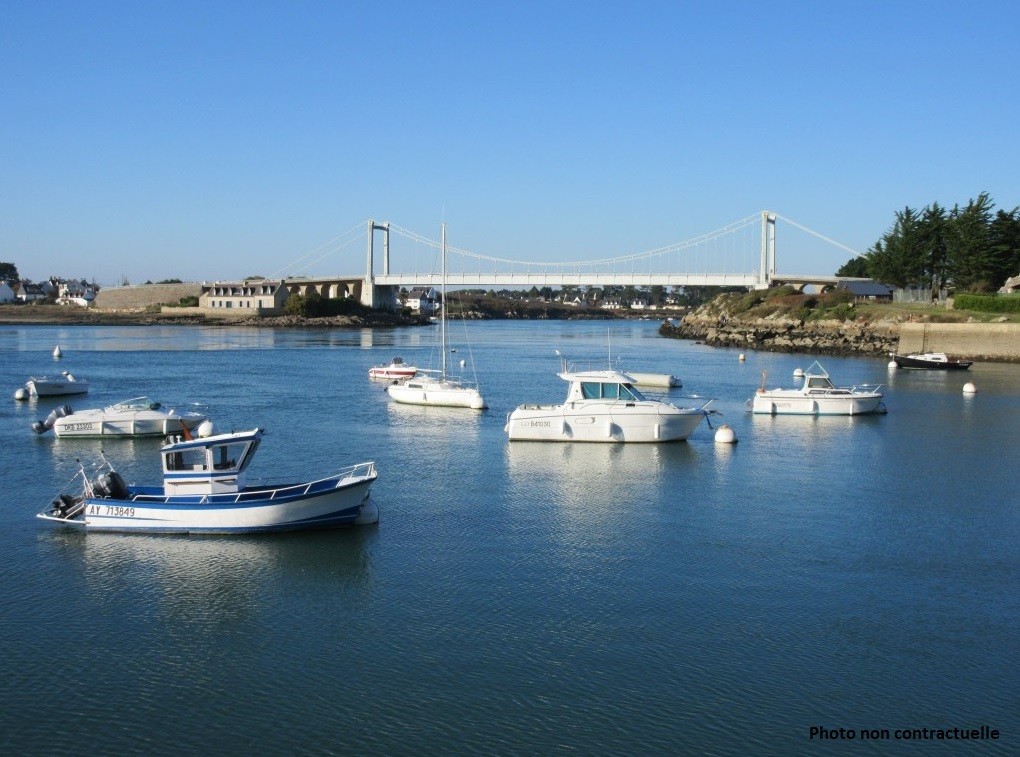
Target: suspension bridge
(740, 254)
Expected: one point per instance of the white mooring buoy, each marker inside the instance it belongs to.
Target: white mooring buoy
(891, 364)
(56, 351)
(741, 358)
(798, 373)
(725, 435)
(21, 394)
(969, 388)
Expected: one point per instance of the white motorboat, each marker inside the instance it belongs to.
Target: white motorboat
(397, 369)
(56, 386)
(818, 396)
(604, 406)
(134, 417)
(204, 490)
(436, 388)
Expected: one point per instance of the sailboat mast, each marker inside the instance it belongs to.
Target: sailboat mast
(442, 319)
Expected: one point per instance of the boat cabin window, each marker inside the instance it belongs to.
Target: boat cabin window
(594, 390)
(186, 459)
(225, 456)
(819, 383)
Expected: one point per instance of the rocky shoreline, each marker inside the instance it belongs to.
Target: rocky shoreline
(51, 315)
(785, 334)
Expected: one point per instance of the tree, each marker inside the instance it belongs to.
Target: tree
(897, 258)
(1004, 239)
(9, 272)
(855, 268)
(970, 257)
(934, 243)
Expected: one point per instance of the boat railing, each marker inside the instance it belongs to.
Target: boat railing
(338, 480)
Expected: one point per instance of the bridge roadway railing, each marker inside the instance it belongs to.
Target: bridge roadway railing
(474, 280)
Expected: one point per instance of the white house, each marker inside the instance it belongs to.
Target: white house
(422, 300)
(254, 296)
(75, 293)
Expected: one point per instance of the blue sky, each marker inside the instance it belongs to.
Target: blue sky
(215, 140)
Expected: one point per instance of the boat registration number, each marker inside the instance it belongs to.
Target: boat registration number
(544, 424)
(112, 511)
(78, 426)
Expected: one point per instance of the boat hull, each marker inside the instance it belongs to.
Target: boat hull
(920, 363)
(436, 394)
(782, 402)
(85, 424)
(646, 422)
(331, 503)
(56, 388)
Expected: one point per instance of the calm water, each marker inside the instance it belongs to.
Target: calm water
(517, 598)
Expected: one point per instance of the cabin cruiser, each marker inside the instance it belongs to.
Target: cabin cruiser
(817, 396)
(604, 406)
(205, 490)
(57, 386)
(134, 417)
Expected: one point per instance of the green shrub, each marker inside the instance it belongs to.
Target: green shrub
(984, 303)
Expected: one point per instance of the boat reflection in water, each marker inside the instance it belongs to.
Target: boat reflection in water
(215, 579)
(592, 482)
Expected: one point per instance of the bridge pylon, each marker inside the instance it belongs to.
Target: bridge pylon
(368, 290)
(768, 249)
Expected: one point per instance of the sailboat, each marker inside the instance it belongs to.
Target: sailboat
(436, 388)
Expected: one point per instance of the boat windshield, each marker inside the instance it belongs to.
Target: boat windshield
(595, 390)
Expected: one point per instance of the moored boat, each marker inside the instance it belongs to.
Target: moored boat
(205, 490)
(655, 379)
(932, 361)
(604, 406)
(134, 417)
(438, 388)
(817, 396)
(65, 384)
(397, 369)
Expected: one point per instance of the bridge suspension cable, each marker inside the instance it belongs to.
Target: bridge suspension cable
(676, 247)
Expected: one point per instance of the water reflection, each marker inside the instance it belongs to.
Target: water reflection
(215, 579)
(593, 481)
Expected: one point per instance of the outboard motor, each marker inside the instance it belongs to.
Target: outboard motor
(60, 412)
(110, 485)
(66, 506)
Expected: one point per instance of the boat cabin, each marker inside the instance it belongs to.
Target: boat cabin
(817, 381)
(601, 385)
(210, 465)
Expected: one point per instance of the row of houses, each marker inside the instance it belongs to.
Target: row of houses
(62, 291)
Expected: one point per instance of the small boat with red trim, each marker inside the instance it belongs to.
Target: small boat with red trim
(397, 369)
(205, 491)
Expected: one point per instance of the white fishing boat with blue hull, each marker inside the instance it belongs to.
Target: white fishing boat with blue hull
(204, 491)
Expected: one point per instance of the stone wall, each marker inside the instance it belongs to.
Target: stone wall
(995, 342)
(973, 341)
(144, 295)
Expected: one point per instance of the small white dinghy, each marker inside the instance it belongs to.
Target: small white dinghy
(205, 491)
(65, 384)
